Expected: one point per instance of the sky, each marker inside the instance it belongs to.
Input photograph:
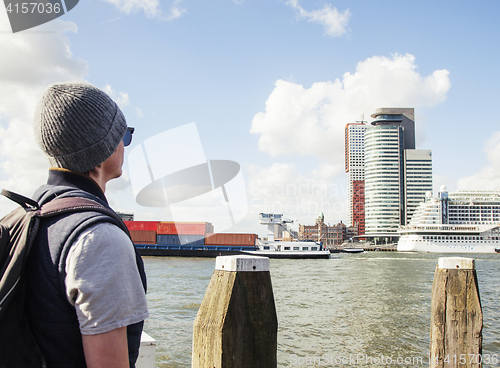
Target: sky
(270, 85)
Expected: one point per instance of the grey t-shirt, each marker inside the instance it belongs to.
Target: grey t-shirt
(102, 280)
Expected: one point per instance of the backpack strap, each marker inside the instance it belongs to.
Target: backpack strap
(60, 206)
(64, 205)
(25, 202)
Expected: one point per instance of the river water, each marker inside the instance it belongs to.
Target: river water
(353, 310)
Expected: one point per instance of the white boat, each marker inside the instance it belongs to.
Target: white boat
(285, 249)
(455, 222)
(290, 249)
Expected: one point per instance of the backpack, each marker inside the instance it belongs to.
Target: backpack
(18, 230)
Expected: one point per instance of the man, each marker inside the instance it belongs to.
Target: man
(86, 283)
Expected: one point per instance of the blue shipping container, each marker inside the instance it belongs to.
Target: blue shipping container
(167, 239)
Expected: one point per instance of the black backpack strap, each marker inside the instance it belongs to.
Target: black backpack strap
(25, 202)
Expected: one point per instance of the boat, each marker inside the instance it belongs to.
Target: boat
(294, 249)
(196, 239)
(454, 222)
(289, 250)
(190, 251)
(186, 239)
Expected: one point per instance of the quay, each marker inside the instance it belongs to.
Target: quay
(391, 248)
(366, 248)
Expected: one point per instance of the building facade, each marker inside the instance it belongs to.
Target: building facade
(329, 235)
(418, 171)
(396, 175)
(383, 178)
(355, 169)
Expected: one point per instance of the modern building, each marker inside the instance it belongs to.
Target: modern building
(418, 171)
(355, 169)
(396, 175)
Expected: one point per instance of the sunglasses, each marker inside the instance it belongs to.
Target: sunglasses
(127, 138)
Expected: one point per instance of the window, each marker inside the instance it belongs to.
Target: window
(296, 248)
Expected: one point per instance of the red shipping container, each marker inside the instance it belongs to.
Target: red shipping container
(142, 225)
(231, 239)
(143, 236)
(182, 228)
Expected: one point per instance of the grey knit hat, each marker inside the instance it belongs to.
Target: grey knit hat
(78, 126)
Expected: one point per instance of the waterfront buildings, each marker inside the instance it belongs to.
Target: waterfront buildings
(393, 175)
(329, 235)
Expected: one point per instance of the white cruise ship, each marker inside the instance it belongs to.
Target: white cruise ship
(455, 222)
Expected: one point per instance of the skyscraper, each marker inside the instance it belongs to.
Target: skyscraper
(396, 175)
(354, 167)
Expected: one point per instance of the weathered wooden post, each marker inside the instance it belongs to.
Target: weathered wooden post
(456, 316)
(236, 325)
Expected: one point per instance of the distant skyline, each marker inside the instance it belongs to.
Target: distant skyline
(270, 85)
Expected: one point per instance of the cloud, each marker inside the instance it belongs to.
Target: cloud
(488, 178)
(311, 121)
(333, 21)
(151, 8)
(121, 98)
(30, 61)
(280, 188)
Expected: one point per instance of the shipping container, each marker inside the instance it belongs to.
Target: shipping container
(184, 228)
(142, 225)
(143, 236)
(167, 239)
(192, 239)
(231, 239)
(170, 239)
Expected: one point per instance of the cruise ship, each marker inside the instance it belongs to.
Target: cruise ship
(454, 222)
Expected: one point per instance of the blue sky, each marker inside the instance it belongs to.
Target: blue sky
(270, 85)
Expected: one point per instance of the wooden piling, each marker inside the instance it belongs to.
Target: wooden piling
(236, 325)
(456, 315)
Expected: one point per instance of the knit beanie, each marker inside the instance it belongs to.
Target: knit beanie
(78, 126)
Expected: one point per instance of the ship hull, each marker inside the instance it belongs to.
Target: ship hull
(416, 243)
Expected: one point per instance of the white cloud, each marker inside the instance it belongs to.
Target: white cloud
(311, 121)
(488, 178)
(280, 188)
(30, 61)
(151, 8)
(333, 21)
(121, 98)
(175, 12)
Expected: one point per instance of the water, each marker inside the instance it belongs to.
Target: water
(357, 306)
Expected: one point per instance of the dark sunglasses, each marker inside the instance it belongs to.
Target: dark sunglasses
(127, 138)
